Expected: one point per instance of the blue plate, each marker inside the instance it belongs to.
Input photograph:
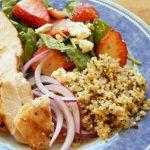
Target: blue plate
(137, 36)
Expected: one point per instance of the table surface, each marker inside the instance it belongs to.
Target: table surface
(140, 7)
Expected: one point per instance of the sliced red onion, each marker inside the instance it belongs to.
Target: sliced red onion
(60, 89)
(86, 135)
(74, 106)
(44, 79)
(38, 81)
(34, 59)
(77, 116)
(67, 114)
(59, 121)
(42, 87)
(70, 124)
(36, 92)
(83, 135)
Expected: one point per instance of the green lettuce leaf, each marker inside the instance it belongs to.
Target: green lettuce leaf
(100, 30)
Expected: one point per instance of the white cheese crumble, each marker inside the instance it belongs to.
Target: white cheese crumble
(61, 75)
(44, 28)
(79, 30)
(84, 44)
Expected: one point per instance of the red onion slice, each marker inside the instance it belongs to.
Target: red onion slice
(83, 135)
(34, 59)
(43, 89)
(38, 81)
(77, 116)
(70, 124)
(59, 89)
(59, 121)
(44, 79)
(36, 93)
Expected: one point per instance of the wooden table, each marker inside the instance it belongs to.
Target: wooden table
(140, 7)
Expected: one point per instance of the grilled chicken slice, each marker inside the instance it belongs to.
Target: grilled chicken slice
(27, 119)
(10, 54)
(14, 92)
(10, 48)
(34, 123)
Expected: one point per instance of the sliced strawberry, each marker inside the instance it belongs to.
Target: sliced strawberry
(57, 14)
(60, 25)
(84, 11)
(113, 44)
(32, 12)
(54, 60)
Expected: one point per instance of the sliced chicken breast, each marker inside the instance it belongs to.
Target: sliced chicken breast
(10, 55)
(15, 92)
(34, 123)
(28, 120)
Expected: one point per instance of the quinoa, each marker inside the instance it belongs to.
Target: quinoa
(108, 95)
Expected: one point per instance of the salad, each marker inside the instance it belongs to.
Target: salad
(80, 63)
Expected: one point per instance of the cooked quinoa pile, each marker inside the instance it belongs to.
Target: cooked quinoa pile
(109, 95)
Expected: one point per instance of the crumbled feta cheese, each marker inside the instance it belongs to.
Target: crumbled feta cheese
(59, 38)
(86, 45)
(59, 74)
(79, 30)
(44, 28)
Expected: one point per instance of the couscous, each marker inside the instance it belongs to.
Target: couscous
(109, 95)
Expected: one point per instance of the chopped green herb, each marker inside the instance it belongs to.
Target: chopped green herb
(134, 60)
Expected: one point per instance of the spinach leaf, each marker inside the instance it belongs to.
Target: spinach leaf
(52, 43)
(30, 45)
(74, 53)
(80, 59)
(29, 39)
(70, 7)
(7, 6)
(100, 29)
(19, 26)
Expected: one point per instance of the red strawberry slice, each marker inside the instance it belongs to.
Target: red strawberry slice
(32, 12)
(84, 12)
(113, 44)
